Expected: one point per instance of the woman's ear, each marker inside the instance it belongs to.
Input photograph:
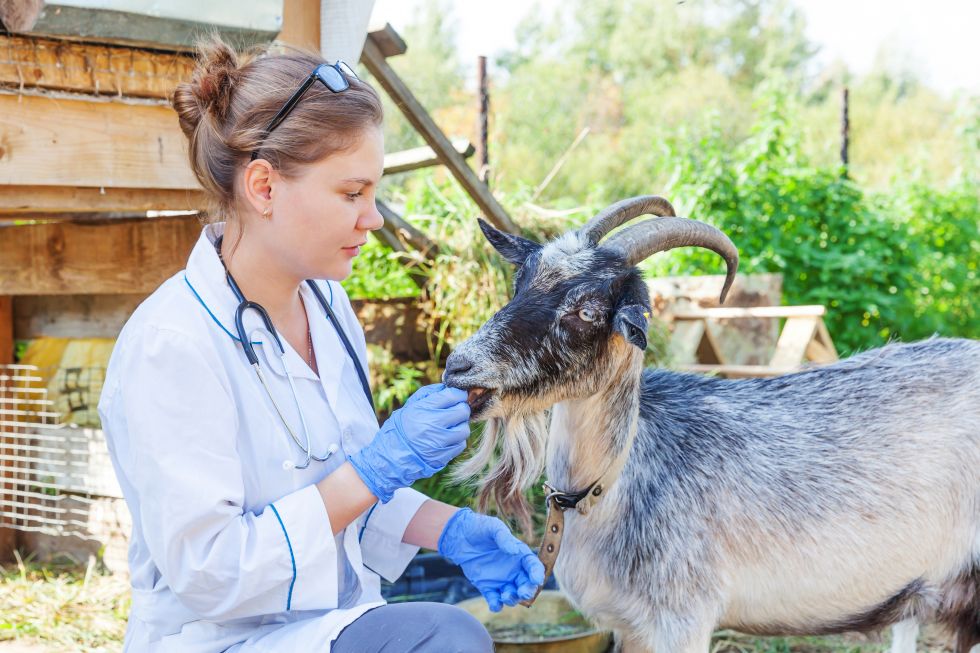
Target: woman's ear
(258, 182)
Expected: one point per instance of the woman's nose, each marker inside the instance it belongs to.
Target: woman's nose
(372, 219)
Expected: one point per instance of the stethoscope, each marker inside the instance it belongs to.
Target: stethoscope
(270, 331)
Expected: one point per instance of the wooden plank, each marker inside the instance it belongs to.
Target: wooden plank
(738, 371)
(6, 329)
(28, 62)
(387, 40)
(817, 353)
(406, 232)
(743, 342)
(21, 199)
(400, 236)
(301, 24)
(821, 349)
(72, 316)
(86, 258)
(793, 341)
(752, 311)
(684, 341)
(416, 114)
(8, 537)
(61, 141)
(423, 157)
(709, 350)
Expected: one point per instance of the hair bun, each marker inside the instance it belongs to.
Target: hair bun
(216, 77)
(209, 91)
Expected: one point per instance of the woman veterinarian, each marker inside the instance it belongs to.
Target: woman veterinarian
(266, 501)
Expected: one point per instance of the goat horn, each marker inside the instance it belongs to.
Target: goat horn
(623, 211)
(661, 234)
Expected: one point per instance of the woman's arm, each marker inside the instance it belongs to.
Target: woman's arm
(345, 496)
(428, 523)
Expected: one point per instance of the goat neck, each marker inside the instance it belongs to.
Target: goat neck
(590, 438)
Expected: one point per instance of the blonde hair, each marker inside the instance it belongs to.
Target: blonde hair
(233, 96)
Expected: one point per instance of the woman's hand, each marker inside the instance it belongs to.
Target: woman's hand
(418, 440)
(502, 567)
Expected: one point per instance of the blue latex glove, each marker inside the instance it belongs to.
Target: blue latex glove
(418, 440)
(498, 564)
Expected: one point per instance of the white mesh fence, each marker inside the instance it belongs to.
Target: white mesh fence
(55, 474)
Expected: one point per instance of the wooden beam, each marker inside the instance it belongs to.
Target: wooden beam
(31, 62)
(739, 371)
(91, 258)
(792, 344)
(62, 141)
(400, 236)
(405, 232)
(416, 114)
(301, 24)
(388, 41)
(751, 311)
(423, 157)
(20, 199)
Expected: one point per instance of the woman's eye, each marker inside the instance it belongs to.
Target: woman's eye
(587, 315)
(353, 196)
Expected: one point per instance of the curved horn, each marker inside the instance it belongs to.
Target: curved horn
(616, 214)
(661, 234)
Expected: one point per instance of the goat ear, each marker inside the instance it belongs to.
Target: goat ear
(631, 322)
(513, 248)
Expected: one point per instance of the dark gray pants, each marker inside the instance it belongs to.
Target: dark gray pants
(414, 628)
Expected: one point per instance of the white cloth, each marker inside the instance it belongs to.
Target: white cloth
(229, 549)
(344, 28)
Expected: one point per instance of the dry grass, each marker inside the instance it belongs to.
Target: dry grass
(930, 641)
(63, 608)
(71, 608)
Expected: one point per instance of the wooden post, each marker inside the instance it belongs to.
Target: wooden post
(845, 126)
(301, 24)
(373, 58)
(8, 536)
(6, 329)
(483, 139)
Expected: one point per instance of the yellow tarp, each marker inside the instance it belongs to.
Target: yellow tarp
(75, 369)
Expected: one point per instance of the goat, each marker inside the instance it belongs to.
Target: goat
(839, 498)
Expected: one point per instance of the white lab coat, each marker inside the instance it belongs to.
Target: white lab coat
(230, 551)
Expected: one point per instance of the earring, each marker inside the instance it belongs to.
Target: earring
(267, 214)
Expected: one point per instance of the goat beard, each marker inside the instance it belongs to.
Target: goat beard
(508, 460)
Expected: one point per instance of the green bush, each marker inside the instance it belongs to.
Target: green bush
(896, 265)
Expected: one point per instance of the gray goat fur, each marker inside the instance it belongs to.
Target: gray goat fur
(840, 498)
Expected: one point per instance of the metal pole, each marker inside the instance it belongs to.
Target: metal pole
(483, 155)
(845, 126)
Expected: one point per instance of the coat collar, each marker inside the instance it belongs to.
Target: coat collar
(205, 276)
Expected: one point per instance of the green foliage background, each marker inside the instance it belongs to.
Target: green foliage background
(721, 107)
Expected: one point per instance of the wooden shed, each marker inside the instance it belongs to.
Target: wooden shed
(98, 205)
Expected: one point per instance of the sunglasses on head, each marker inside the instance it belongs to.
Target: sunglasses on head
(333, 75)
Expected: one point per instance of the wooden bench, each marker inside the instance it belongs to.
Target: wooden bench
(804, 339)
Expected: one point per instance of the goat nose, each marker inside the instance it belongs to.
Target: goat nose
(457, 366)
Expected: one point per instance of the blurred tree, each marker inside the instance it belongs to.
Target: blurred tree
(431, 67)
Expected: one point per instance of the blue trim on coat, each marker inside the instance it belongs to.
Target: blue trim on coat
(360, 536)
(213, 317)
(292, 558)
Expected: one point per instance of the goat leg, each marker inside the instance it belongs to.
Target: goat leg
(904, 635)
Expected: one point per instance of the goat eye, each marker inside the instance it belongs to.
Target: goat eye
(588, 315)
